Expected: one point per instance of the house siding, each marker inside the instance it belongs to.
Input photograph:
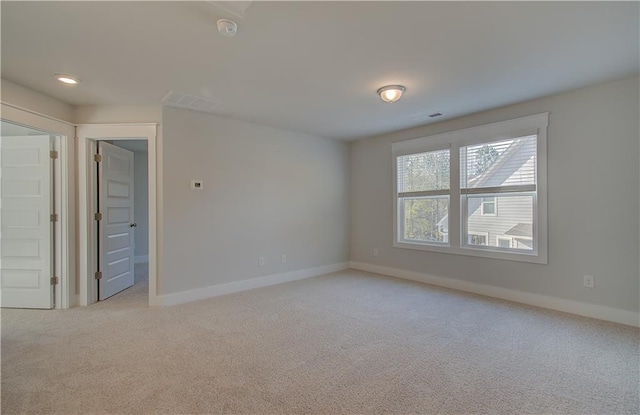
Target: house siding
(510, 210)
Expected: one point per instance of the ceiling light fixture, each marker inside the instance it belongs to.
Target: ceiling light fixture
(67, 79)
(227, 27)
(391, 93)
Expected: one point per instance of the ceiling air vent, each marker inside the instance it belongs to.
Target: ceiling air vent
(436, 114)
(189, 102)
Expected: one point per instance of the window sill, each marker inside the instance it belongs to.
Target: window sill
(536, 258)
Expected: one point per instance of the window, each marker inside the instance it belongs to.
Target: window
(477, 238)
(504, 242)
(506, 168)
(488, 207)
(423, 196)
(448, 188)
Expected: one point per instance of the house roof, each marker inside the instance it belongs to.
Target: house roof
(481, 179)
(521, 229)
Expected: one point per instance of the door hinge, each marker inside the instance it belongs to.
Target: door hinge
(97, 158)
(54, 280)
(97, 216)
(53, 154)
(54, 217)
(98, 275)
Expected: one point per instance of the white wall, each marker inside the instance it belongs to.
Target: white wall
(266, 192)
(35, 101)
(593, 180)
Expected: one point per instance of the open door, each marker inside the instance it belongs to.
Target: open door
(115, 240)
(26, 260)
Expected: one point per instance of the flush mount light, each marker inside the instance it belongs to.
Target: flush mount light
(391, 93)
(67, 79)
(227, 27)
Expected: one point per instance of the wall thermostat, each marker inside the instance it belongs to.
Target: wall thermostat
(196, 184)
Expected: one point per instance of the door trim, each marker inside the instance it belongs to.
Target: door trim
(87, 137)
(64, 196)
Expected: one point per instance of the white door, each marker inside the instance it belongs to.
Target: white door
(115, 200)
(26, 264)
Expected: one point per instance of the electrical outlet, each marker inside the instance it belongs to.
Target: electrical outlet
(375, 251)
(261, 261)
(588, 281)
(283, 258)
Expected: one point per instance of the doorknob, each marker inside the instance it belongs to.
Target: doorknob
(133, 225)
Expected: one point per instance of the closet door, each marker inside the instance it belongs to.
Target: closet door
(26, 229)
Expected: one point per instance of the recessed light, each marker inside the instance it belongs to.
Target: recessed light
(391, 93)
(67, 79)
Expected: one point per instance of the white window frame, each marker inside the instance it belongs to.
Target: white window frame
(519, 127)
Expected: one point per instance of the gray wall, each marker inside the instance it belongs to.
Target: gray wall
(266, 192)
(35, 101)
(593, 181)
(141, 202)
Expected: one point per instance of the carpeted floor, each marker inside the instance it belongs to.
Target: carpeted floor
(348, 342)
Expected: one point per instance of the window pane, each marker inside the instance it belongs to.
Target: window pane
(504, 242)
(423, 172)
(426, 220)
(477, 239)
(513, 221)
(500, 163)
(488, 206)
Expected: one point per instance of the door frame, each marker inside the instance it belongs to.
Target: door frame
(87, 137)
(64, 196)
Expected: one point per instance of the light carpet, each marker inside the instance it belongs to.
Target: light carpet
(348, 342)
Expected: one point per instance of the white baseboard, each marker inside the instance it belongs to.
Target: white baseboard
(141, 258)
(237, 286)
(615, 315)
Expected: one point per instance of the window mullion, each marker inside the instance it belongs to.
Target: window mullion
(455, 216)
(426, 193)
(500, 189)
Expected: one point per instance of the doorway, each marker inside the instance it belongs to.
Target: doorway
(36, 203)
(92, 258)
(123, 231)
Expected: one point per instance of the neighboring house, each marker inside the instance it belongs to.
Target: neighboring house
(503, 220)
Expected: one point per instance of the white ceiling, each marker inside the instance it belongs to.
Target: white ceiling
(315, 66)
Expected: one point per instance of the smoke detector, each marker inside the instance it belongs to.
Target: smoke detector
(227, 27)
